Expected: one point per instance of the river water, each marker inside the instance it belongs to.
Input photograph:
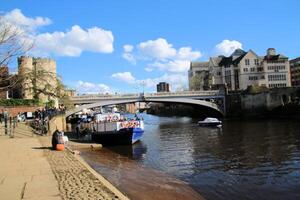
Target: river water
(253, 159)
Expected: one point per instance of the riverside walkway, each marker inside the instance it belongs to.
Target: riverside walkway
(30, 170)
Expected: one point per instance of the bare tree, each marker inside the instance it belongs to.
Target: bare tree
(13, 43)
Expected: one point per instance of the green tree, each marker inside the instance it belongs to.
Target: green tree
(197, 82)
(255, 89)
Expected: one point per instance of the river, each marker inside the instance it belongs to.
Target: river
(245, 159)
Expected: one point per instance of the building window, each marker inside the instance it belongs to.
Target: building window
(247, 62)
(252, 69)
(277, 85)
(260, 69)
(277, 77)
(253, 78)
(276, 67)
(245, 69)
(256, 61)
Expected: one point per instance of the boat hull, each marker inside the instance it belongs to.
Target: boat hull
(211, 124)
(125, 136)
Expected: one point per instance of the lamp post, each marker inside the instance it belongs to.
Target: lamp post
(143, 84)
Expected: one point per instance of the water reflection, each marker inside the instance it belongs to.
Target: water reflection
(136, 151)
(257, 159)
(232, 162)
(135, 180)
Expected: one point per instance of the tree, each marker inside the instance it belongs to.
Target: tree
(196, 82)
(42, 82)
(255, 89)
(13, 43)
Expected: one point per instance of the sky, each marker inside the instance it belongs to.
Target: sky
(117, 46)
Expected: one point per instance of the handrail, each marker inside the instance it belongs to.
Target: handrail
(136, 95)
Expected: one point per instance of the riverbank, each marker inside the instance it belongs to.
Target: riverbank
(24, 170)
(29, 169)
(135, 180)
(75, 178)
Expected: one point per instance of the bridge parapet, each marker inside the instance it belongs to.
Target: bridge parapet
(137, 95)
(184, 93)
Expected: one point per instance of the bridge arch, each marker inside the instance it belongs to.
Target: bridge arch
(203, 103)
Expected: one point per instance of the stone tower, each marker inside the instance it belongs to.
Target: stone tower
(44, 72)
(24, 67)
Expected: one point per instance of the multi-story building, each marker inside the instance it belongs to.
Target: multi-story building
(243, 69)
(163, 87)
(38, 77)
(277, 69)
(295, 71)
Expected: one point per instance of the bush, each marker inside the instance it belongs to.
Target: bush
(19, 102)
(255, 89)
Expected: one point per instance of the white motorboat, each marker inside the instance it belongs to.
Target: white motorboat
(209, 121)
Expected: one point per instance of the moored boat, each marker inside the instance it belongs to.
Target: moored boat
(209, 121)
(114, 129)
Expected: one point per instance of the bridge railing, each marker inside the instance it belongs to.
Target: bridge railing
(137, 95)
(183, 93)
(118, 96)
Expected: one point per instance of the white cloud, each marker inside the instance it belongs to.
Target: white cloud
(75, 41)
(128, 48)
(176, 80)
(161, 55)
(124, 76)
(170, 66)
(17, 18)
(69, 43)
(227, 47)
(91, 88)
(127, 55)
(158, 49)
(186, 53)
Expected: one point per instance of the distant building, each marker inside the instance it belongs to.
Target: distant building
(9, 86)
(4, 82)
(277, 69)
(163, 87)
(295, 71)
(70, 92)
(242, 69)
(36, 75)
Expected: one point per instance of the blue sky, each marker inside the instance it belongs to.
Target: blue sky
(123, 46)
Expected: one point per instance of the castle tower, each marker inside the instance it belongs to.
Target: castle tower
(24, 68)
(43, 71)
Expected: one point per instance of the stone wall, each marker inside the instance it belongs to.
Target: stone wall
(14, 111)
(57, 122)
(261, 103)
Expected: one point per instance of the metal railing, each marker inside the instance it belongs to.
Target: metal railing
(137, 95)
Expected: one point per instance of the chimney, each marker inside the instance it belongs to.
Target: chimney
(271, 52)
